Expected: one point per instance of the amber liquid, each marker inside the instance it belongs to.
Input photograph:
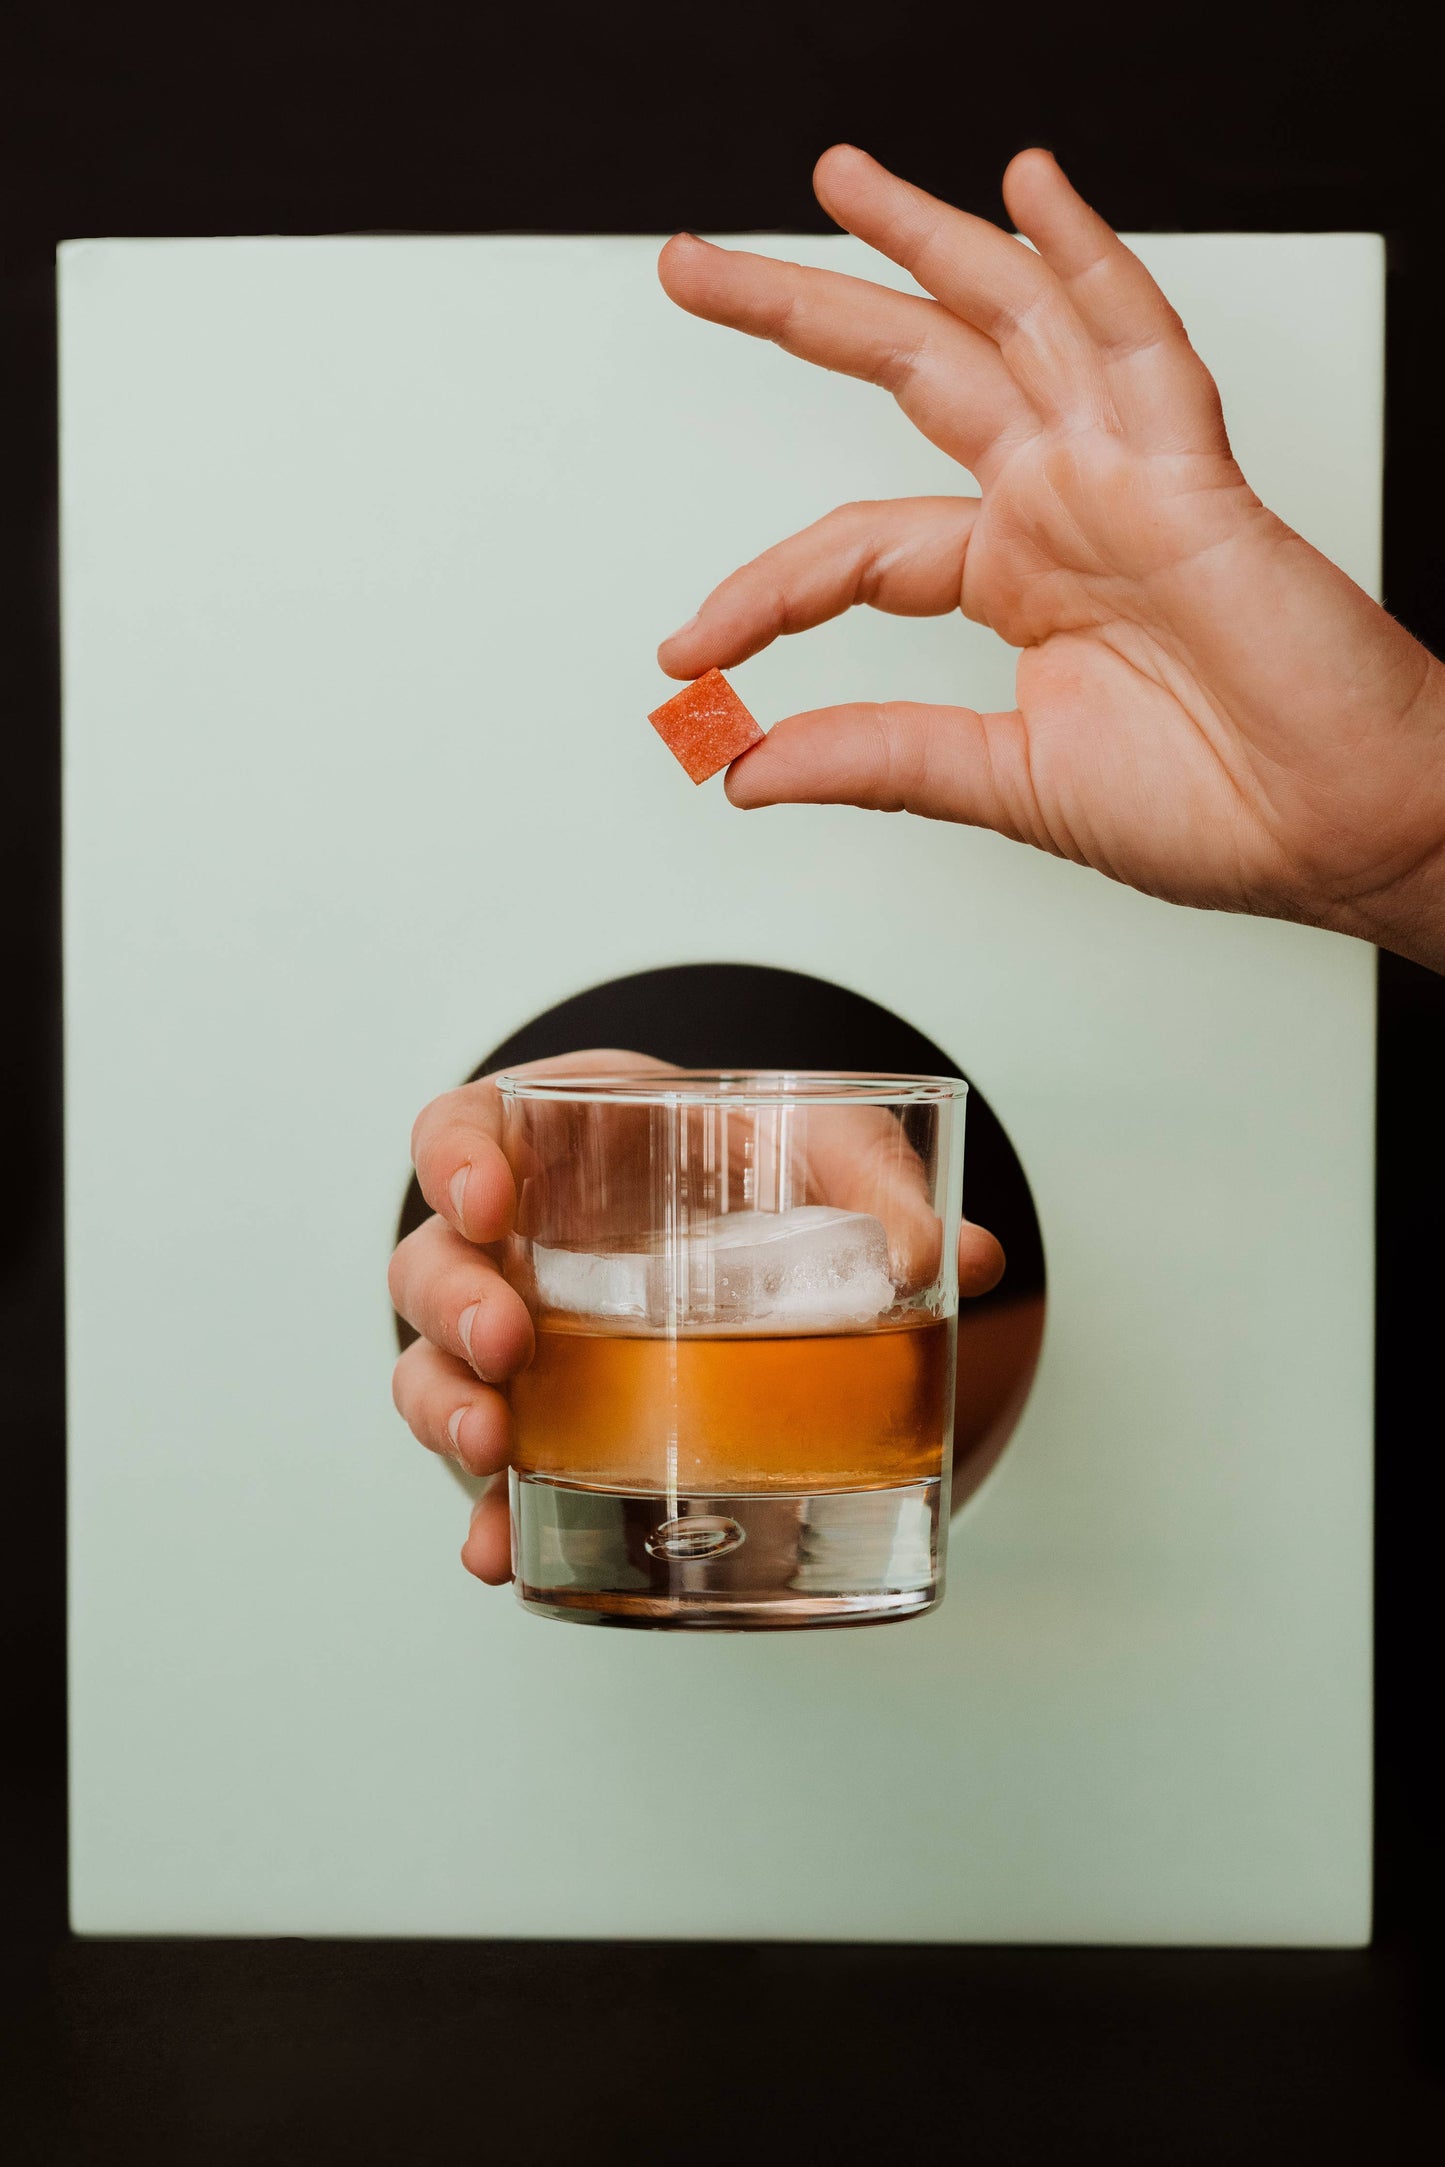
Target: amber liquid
(831, 1411)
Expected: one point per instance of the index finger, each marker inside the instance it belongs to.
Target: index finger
(470, 1160)
(463, 1171)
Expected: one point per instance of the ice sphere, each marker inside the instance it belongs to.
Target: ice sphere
(805, 1269)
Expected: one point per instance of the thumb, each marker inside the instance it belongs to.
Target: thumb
(947, 763)
(980, 1259)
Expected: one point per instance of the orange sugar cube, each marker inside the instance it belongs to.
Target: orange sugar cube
(705, 725)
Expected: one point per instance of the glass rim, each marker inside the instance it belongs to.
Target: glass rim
(734, 1087)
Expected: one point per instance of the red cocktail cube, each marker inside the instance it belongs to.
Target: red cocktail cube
(705, 725)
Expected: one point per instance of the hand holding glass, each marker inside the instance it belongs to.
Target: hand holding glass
(741, 1293)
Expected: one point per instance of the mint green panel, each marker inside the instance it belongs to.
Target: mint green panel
(367, 545)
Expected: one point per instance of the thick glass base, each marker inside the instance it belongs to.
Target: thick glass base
(762, 1562)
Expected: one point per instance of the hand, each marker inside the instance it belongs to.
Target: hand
(476, 1333)
(1208, 709)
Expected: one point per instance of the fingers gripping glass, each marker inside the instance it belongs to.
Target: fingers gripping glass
(744, 1290)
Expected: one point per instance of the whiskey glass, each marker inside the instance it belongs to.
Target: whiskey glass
(744, 1291)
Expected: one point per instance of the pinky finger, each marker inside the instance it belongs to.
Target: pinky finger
(487, 1551)
(446, 1409)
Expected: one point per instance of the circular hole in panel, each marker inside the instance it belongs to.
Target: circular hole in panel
(745, 1015)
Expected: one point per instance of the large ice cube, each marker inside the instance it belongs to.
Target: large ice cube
(812, 1266)
(589, 1285)
(807, 1269)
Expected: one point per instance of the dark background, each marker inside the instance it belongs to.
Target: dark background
(311, 118)
(746, 1015)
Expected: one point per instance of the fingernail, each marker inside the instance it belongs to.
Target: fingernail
(681, 632)
(457, 1191)
(465, 1322)
(454, 1432)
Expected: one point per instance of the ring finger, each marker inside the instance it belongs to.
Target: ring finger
(442, 1404)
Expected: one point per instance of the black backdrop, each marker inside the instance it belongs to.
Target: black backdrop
(559, 118)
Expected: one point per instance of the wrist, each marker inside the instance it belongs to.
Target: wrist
(1409, 917)
(1401, 904)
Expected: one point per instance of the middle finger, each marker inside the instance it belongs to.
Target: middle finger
(946, 376)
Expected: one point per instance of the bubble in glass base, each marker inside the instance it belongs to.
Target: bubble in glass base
(760, 1562)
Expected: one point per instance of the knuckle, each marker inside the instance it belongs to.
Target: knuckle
(784, 317)
(777, 608)
(890, 762)
(1025, 315)
(421, 1129)
(894, 367)
(430, 1129)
